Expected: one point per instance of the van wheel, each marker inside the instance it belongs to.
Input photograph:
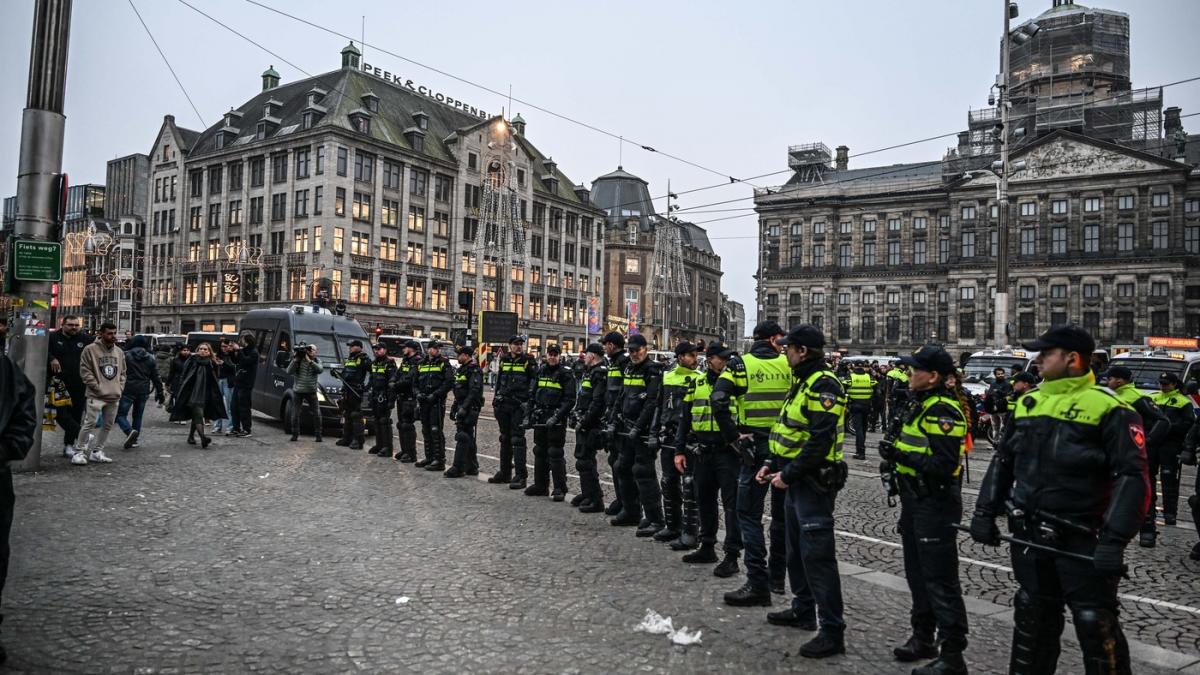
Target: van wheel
(286, 412)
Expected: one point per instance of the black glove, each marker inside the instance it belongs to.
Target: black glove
(553, 421)
(1110, 558)
(159, 400)
(1188, 456)
(652, 443)
(453, 414)
(887, 451)
(984, 530)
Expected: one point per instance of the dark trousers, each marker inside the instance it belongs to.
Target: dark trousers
(1169, 470)
(512, 441)
(70, 417)
(587, 444)
(466, 452)
(1194, 503)
(931, 566)
(638, 480)
(751, 501)
(7, 502)
(299, 402)
(715, 472)
(432, 415)
(241, 408)
(406, 425)
(1047, 582)
(381, 418)
(135, 403)
(670, 484)
(860, 411)
(812, 555)
(352, 419)
(612, 446)
(549, 460)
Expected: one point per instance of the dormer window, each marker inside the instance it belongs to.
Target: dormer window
(370, 101)
(421, 119)
(307, 120)
(418, 143)
(260, 131)
(360, 121)
(416, 138)
(220, 140)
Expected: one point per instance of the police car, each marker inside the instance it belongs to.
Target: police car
(977, 372)
(1148, 363)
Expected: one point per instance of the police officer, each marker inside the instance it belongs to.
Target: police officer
(636, 423)
(1084, 495)
(353, 375)
(927, 457)
(679, 506)
(380, 395)
(617, 359)
(897, 390)
(1178, 409)
(860, 388)
(587, 421)
(806, 460)
(703, 456)
(513, 381)
(1157, 427)
(404, 390)
(468, 401)
(435, 379)
(1188, 456)
(551, 403)
(746, 400)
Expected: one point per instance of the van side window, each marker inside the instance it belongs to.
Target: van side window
(284, 344)
(262, 339)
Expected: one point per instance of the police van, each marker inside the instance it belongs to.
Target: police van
(395, 344)
(1148, 363)
(277, 332)
(977, 372)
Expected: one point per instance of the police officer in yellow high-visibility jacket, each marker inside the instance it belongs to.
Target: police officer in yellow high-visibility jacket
(928, 466)
(806, 460)
(860, 388)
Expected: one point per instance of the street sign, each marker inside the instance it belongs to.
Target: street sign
(497, 327)
(36, 260)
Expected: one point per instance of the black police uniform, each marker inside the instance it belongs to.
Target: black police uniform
(679, 504)
(713, 466)
(435, 379)
(1188, 456)
(468, 401)
(513, 385)
(637, 425)
(589, 417)
(404, 390)
(1177, 406)
(380, 396)
(552, 400)
(613, 441)
(1086, 493)
(354, 376)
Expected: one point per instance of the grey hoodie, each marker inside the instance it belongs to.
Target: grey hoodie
(102, 369)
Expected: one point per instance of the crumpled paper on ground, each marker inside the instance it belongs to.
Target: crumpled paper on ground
(656, 624)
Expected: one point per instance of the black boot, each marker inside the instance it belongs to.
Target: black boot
(684, 543)
(499, 478)
(625, 519)
(356, 445)
(436, 465)
(558, 494)
(777, 585)
(577, 500)
(949, 663)
(1147, 539)
(517, 483)
(421, 464)
(705, 554)
(536, 490)
(666, 534)
(749, 596)
(823, 645)
(591, 506)
(649, 528)
(343, 441)
(916, 649)
(453, 472)
(728, 567)
(791, 619)
(614, 507)
(1195, 554)
(374, 450)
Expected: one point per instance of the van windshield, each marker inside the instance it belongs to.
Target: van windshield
(981, 367)
(328, 350)
(1146, 371)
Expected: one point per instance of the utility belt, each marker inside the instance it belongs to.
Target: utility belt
(920, 486)
(831, 477)
(1045, 528)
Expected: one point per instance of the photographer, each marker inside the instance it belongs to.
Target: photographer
(305, 368)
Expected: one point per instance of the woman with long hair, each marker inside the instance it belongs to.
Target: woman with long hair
(954, 385)
(199, 396)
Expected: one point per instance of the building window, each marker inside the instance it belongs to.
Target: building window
(844, 228)
(1025, 326)
(966, 293)
(919, 252)
(994, 211)
(868, 227)
(966, 326)
(415, 253)
(302, 159)
(1125, 237)
(391, 174)
(819, 228)
(1125, 202)
(441, 188)
(278, 207)
(279, 167)
(943, 251)
(389, 248)
(1160, 289)
(893, 253)
(893, 224)
(844, 255)
(1028, 241)
(968, 244)
(797, 229)
(1091, 205)
(1058, 207)
(1125, 290)
(968, 213)
(197, 183)
(1091, 323)
(818, 259)
(214, 216)
(360, 243)
(893, 297)
(389, 290)
(1091, 291)
(818, 299)
(416, 219)
(235, 212)
(1058, 291)
(920, 222)
(1027, 292)
(918, 328)
(1091, 238)
(320, 160)
(414, 294)
(867, 330)
(843, 328)
(417, 182)
(257, 168)
(1029, 208)
(1124, 326)
(1160, 323)
(300, 241)
(214, 180)
(1058, 239)
(869, 253)
(1160, 200)
(361, 209)
(1191, 238)
(1159, 233)
(301, 207)
(339, 202)
(843, 298)
(343, 159)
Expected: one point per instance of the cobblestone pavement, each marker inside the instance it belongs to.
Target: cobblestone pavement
(265, 555)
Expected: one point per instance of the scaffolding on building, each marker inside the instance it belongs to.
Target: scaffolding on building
(810, 161)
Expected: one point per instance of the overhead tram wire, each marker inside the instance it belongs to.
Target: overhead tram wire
(566, 118)
(169, 67)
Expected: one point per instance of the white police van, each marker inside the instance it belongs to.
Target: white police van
(1148, 363)
(977, 372)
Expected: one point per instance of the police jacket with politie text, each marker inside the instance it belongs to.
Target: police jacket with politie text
(812, 417)
(733, 385)
(677, 381)
(1076, 451)
(435, 378)
(514, 380)
(930, 445)
(696, 423)
(589, 406)
(615, 370)
(640, 384)
(553, 394)
(380, 377)
(404, 383)
(468, 390)
(354, 373)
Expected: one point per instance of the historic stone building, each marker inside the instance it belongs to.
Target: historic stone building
(368, 189)
(629, 238)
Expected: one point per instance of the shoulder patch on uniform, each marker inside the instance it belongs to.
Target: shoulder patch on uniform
(1138, 434)
(946, 423)
(828, 400)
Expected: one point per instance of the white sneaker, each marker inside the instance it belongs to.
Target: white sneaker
(69, 451)
(79, 459)
(99, 456)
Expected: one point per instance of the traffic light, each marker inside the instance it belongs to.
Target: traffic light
(465, 300)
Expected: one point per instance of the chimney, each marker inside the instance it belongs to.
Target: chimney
(964, 144)
(1172, 123)
(843, 158)
(270, 78)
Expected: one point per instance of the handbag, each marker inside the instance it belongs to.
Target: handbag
(60, 397)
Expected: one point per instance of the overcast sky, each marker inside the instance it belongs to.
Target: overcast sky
(724, 85)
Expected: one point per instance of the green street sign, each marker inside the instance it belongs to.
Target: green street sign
(35, 260)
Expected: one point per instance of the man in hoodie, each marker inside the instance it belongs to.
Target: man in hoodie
(175, 374)
(102, 368)
(66, 345)
(18, 423)
(142, 375)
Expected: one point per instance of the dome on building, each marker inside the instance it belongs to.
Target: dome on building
(623, 196)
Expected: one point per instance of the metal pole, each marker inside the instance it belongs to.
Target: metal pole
(999, 330)
(38, 175)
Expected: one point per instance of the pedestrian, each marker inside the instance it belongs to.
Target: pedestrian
(617, 359)
(353, 375)
(995, 401)
(380, 395)
(588, 419)
(493, 368)
(713, 466)
(746, 401)
(198, 397)
(927, 460)
(405, 396)
(1073, 465)
(102, 367)
(635, 423)
(860, 388)
(1157, 427)
(1178, 409)
(304, 369)
(163, 358)
(18, 424)
(226, 371)
(680, 519)
(435, 379)
(141, 378)
(245, 365)
(175, 375)
(897, 390)
(806, 461)
(514, 379)
(468, 402)
(552, 400)
(65, 348)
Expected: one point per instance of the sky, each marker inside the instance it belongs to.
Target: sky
(725, 86)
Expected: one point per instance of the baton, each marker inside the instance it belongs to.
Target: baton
(337, 373)
(1037, 547)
